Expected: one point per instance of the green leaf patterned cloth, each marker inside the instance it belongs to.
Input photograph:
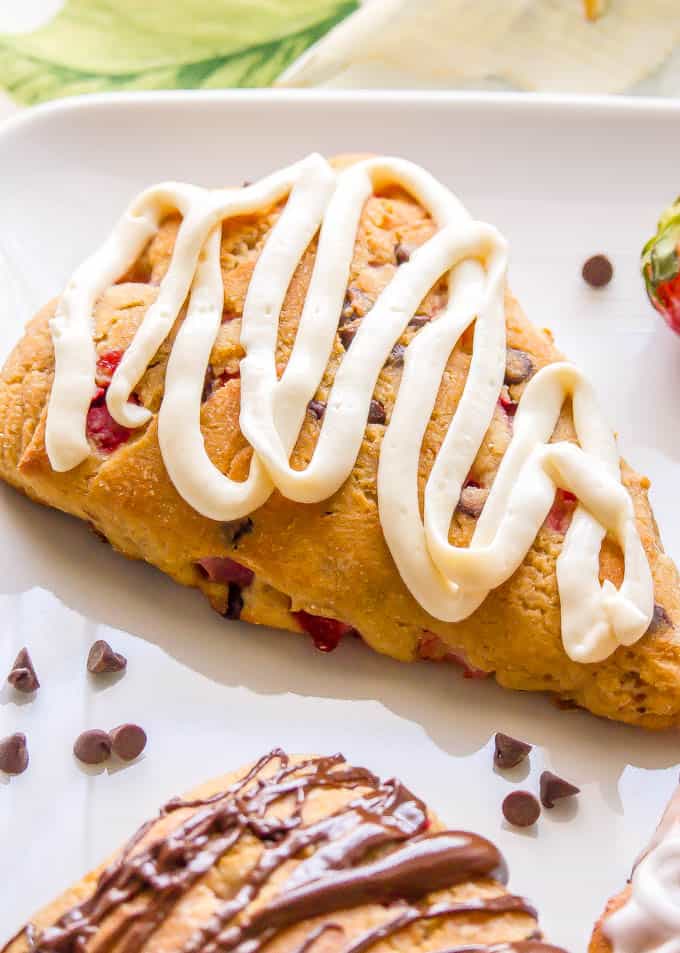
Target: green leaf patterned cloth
(102, 45)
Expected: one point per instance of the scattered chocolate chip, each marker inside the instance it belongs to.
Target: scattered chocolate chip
(234, 602)
(317, 408)
(92, 746)
(396, 356)
(660, 619)
(347, 336)
(521, 809)
(553, 788)
(597, 271)
(472, 500)
(22, 675)
(419, 321)
(246, 183)
(376, 413)
(509, 752)
(518, 366)
(402, 253)
(101, 658)
(128, 741)
(14, 753)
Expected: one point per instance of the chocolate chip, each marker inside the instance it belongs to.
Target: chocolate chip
(92, 746)
(245, 527)
(553, 788)
(317, 408)
(22, 674)
(419, 321)
(509, 752)
(101, 658)
(472, 500)
(347, 336)
(376, 413)
(660, 619)
(14, 753)
(396, 356)
(402, 253)
(521, 809)
(234, 602)
(128, 741)
(597, 271)
(518, 366)
(347, 314)
(246, 183)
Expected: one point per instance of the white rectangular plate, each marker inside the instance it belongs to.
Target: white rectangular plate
(562, 179)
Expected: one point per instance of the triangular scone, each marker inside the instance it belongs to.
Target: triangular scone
(330, 566)
(293, 855)
(645, 916)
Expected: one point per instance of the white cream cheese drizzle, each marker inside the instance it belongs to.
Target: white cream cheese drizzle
(449, 582)
(649, 921)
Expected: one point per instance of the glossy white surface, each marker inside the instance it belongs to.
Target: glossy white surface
(561, 181)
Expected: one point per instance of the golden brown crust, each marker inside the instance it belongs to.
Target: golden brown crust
(195, 907)
(599, 942)
(330, 559)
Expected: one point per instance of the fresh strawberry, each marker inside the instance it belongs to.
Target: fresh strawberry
(661, 266)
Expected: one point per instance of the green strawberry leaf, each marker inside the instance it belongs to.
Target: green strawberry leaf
(103, 45)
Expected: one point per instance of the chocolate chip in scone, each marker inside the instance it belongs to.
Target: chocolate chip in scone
(553, 788)
(660, 619)
(128, 741)
(208, 383)
(347, 336)
(101, 658)
(317, 408)
(92, 746)
(236, 529)
(22, 675)
(518, 366)
(14, 753)
(396, 356)
(402, 253)
(597, 271)
(234, 602)
(376, 413)
(508, 751)
(418, 321)
(521, 809)
(472, 499)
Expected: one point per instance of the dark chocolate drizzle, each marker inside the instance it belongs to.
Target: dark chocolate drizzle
(375, 849)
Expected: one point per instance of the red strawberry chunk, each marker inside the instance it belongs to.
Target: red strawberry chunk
(667, 301)
(102, 430)
(508, 405)
(559, 517)
(326, 633)
(107, 362)
(225, 570)
(433, 649)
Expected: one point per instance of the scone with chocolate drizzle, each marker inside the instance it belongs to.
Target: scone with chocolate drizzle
(315, 399)
(292, 855)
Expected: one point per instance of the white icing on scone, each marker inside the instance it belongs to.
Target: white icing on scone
(449, 582)
(649, 921)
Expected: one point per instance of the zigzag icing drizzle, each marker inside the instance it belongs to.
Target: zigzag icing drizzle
(449, 582)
